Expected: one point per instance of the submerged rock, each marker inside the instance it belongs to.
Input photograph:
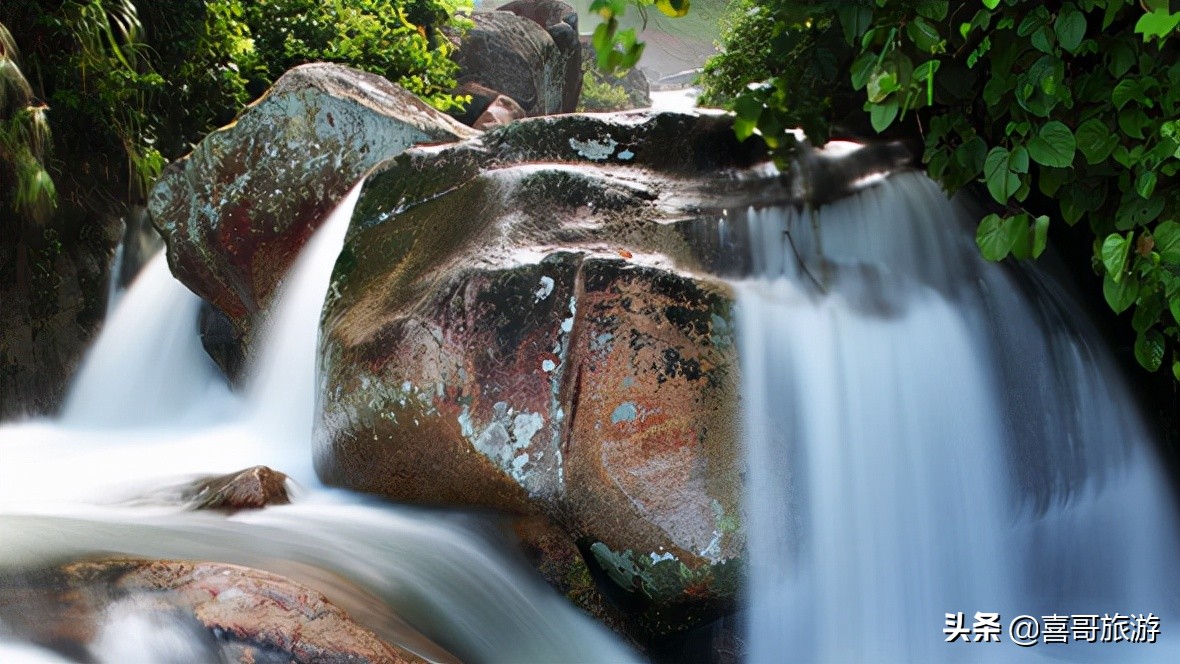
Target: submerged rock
(194, 611)
(523, 322)
(236, 211)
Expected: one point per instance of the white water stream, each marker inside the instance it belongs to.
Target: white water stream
(148, 410)
(927, 434)
(930, 434)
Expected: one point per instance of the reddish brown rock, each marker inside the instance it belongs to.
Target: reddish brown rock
(534, 332)
(531, 321)
(226, 610)
(252, 488)
(236, 211)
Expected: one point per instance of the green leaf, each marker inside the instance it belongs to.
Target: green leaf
(1147, 313)
(1051, 179)
(924, 35)
(1115, 249)
(1042, 39)
(1167, 242)
(1095, 140)
(1040, 235)
(971, 155)
(882, 115)
(1135, 211)
(1125, 91)
(995, 237)
(1039, 89)
(1053, 145)
(1132, 121)
(935, 10)
(1018, 159)
(1001, 181)
(1034, 20)
(1071, 210)
(1120, 295)
(1158, 24)
(1021, 242)
(862, 69)
(855, 19)
(1176, 369)
(1070, 27)
(1121, 58)
(979, 52)
(926, 70)
(1149, 349)
(882, 84)
(1145, 184)
(1174, 300)
(748, 110)
(991, 4)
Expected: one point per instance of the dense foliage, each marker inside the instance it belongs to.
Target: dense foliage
(601, 94)
(24, 137)
(1065, 111)
(128, 84)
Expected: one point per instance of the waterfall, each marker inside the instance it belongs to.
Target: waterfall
(149, 411)
(114, 288)
(930, 434)
(147, 366)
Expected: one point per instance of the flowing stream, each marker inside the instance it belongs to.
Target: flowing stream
(930, 434)
(926, 434)
(148, 411)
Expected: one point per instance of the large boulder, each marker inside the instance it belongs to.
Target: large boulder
(514, 56)
(560, 20)
(523, 322)
(532, 321)
(236, 211)
(196, 611)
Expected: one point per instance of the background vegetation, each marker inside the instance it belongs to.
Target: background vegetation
(127, 85)
(1067, 112)
(1064, 112)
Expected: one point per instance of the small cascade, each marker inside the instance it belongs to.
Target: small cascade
(114, 285)
(281, 391)
(929, 434)
(149, 411)
(147, 366)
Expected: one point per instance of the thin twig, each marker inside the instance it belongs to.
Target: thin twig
(799, 259)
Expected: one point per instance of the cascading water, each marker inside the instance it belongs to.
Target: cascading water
(928, 434)
(149, 411)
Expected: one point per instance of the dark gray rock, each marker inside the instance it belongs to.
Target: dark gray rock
(560, 20)
(516, 57)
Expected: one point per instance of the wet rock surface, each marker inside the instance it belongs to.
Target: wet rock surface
(198, 611)
(252, 488)
(53, 287)
(522, 322)
(236, 211)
